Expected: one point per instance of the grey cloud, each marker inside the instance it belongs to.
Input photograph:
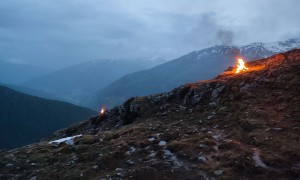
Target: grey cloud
(59, 32)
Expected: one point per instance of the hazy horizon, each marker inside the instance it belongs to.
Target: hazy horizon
(57, 34)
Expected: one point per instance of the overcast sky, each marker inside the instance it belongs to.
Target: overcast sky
(58, 33)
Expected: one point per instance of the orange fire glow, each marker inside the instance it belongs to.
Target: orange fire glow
(102, 111)
(241, 66)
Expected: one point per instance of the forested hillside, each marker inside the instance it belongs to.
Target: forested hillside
(26, 119)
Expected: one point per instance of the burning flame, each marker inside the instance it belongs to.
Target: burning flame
(241, 66)
(102, 111)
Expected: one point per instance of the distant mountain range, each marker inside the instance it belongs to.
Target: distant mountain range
(76, 82)
(16, 73)
(26, 119)
(197, 65)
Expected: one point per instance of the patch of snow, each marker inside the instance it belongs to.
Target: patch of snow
(67, 140)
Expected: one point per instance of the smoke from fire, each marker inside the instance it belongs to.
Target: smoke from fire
(225, 37)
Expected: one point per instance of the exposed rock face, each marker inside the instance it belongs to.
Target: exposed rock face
(236, 126)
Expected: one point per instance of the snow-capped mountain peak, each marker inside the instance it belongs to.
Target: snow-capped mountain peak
(251, 51)
(283, 45)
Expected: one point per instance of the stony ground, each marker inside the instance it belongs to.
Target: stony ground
(236, 126)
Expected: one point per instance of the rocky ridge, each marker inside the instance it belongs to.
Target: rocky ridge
(234, 126)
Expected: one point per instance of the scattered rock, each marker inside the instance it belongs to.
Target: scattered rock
(130, 162)
(216, 92)
(33, 178)
(119, 174)
(202, 158)
(209, 117)
(218, 172)
(164, 113)
(131, 150)
(244, 88)
(151, 139)
(253, 85)
(216, 126)
(182, 108)
(162, 143)
(9, 165)
(202, 146)
(195, 100)
(212, 104)
(153, 154)
(257, 159)
(222, 108)
(277, 129)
